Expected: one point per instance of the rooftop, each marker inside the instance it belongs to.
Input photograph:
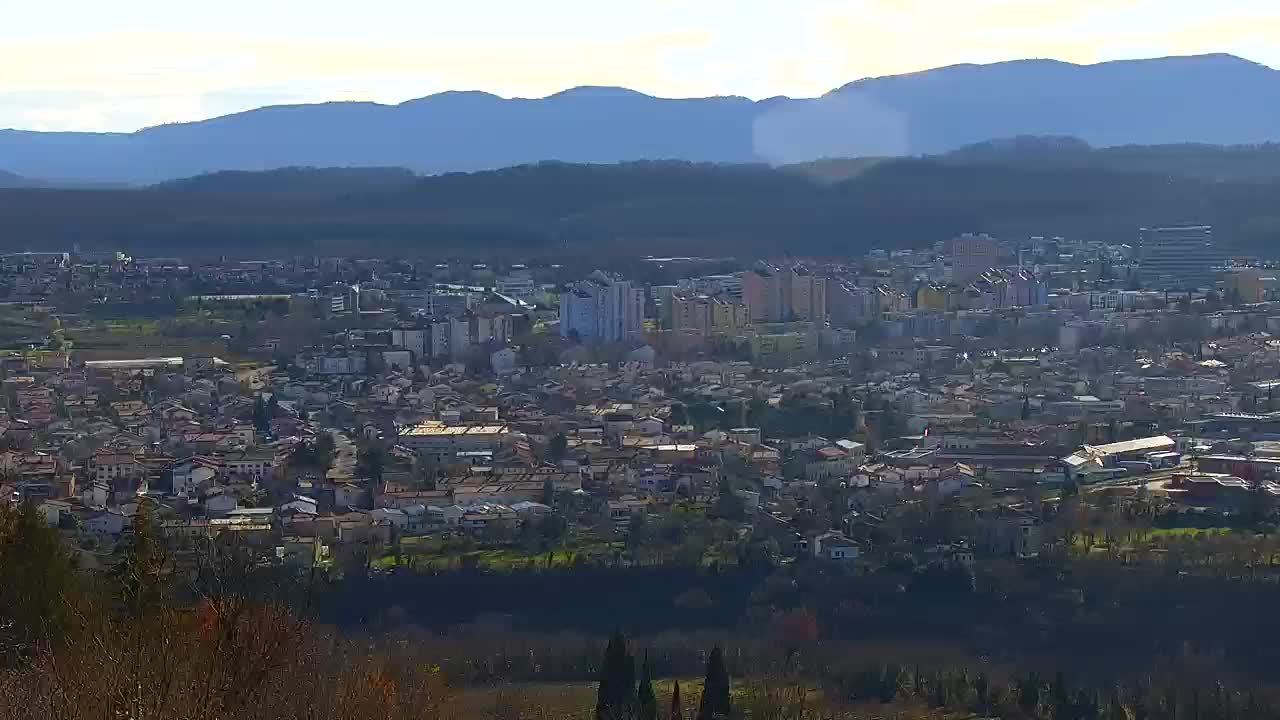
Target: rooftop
(439, 429)
(1149, 443)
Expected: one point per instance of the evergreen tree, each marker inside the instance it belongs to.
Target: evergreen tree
(140, 572)
(715, 702)
(260, 420)
(616, 694)
(36, 577)
(982, 691)
(646, 700)
(677, 712)
(557, 447)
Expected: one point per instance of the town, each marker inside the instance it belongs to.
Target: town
(373, 416)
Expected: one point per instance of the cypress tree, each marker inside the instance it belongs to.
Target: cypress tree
(715, 703)
(646, 700)
(260, 422)
(981, 690)
(677, 713)
(617, 689)
(141, 569)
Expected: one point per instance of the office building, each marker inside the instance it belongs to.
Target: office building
(518, 284)
(1179, 257)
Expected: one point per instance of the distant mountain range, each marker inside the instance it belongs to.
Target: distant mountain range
(1213, 99)
(8, 181)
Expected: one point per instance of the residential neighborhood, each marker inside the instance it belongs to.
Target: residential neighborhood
(375, 411)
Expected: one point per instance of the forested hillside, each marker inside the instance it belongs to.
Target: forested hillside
(638, 208)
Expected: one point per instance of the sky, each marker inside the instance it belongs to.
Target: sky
(122, 65)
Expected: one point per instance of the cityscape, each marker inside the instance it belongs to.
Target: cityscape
(983, 405)
(863, 360)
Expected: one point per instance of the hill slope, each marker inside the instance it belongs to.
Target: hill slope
(646, 208)
(9, 180)
(1205, 99)
(1186, 160)
(329, 181)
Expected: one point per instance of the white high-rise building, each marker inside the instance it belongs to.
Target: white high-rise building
(1178, 257)
(601, 308)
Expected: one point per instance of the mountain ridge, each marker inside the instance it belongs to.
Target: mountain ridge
(1214, 99)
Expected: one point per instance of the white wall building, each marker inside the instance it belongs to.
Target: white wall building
(601, 308)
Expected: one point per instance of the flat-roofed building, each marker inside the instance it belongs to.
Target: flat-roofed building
(443, 442)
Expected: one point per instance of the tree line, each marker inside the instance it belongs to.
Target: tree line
(559, 209)
(620, 696)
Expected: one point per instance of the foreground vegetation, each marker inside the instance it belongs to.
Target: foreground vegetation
(226, 639)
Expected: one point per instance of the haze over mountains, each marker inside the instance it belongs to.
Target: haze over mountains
(1216, 99)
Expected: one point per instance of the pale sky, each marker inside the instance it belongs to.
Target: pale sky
(125, 64)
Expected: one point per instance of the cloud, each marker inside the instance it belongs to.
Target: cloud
(131, 78)
(844, 125)
(224, 69)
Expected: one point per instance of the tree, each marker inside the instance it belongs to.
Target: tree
(557, 448)
(1070, 488)
(617, 691)
(141, 570)
(715, 689)
(646, 701)
(323, 450)
(371, 463)
(261, 422)
(36, 577)
(981, 692)
(729, 505)
(679, 415)
(677, 713)
(548, 492)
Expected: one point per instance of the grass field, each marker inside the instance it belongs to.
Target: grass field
(432, 553)
(577, 700)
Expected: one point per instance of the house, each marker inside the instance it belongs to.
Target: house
(831, 464)
(299, 504)
(622, 511)
(421, 518)
(52, 511)
(220, 505)
(1009, 533)
(108, 466)
(95, 495)
(105, 524)
(503, 361)
(188, 476)
(392, 517)
(834, 546)
(349, 495)
(255, 464)
(485, 517)
(531, 510)
(302, 551)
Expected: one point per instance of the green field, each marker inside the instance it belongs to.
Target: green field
(433, 553)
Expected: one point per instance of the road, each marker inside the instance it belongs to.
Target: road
(344, 458)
